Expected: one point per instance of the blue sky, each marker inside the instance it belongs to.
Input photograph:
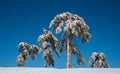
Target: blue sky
(23, 20)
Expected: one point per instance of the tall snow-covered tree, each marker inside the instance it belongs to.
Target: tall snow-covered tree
(73, 27)
(25, 51)
(48, 42)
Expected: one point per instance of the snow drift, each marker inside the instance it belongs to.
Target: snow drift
(25, 70)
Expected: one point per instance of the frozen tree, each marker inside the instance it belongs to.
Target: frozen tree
(98, 60)
(74, 27)
(25, 51)
(48, 42)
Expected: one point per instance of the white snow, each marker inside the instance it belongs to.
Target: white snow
(28, 70)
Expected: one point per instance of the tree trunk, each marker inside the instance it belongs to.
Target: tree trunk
(69, 53)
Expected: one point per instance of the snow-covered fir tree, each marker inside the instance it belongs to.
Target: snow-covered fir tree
(48, 43)
(73, 27)
(25, 51)
(98, 60)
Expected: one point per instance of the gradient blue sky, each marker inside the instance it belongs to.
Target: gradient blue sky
(23, 20)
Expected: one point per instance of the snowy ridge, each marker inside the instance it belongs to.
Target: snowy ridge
(26, 70)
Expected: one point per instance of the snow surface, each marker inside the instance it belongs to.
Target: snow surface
(25, 70)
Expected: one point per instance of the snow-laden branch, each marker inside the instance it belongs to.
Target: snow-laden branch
(47, 39)
(73, 22)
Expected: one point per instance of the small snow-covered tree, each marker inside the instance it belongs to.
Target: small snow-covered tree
(98, 60)
(48, 42)
(74, 27)
(25, 51)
